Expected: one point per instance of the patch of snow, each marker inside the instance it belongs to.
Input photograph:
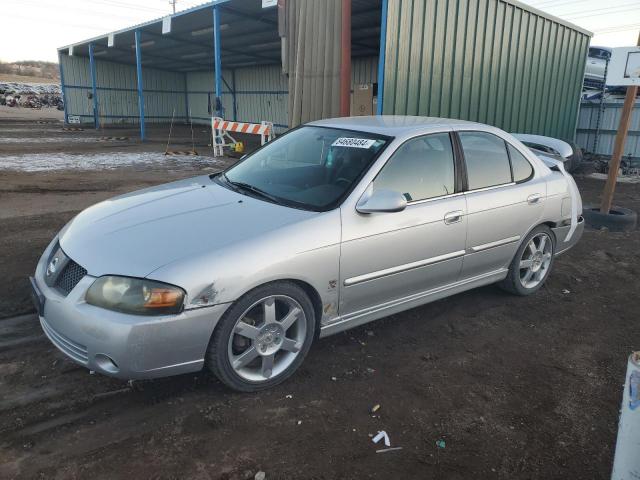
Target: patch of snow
(32, 140)
(38, 162)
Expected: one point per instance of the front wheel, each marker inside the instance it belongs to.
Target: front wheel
(263, 338)
(532, 263)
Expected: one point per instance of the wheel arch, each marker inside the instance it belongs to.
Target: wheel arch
(547, 223)
(310, 290)
(315, 298)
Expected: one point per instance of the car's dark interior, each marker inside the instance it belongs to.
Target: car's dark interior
(309, 170)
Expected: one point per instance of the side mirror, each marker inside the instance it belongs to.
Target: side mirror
(381, 201)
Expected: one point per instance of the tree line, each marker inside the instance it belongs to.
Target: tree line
(31, 68)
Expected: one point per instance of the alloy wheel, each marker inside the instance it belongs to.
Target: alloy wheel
(267, 338)
(535, 261)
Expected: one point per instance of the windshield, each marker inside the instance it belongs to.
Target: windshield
(310, 167)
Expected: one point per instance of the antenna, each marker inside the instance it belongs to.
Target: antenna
(173, 4)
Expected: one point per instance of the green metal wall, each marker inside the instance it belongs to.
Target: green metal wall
(491, 61)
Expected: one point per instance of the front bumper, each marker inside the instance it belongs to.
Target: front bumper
(561, 234)
(121, 345)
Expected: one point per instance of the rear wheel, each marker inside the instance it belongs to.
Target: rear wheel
(263, 338)
(532, 263)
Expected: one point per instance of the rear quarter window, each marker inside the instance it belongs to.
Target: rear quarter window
(522, 169)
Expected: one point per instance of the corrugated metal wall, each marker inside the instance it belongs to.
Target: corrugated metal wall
(490, 61)
(261, 94)
(312, 54)
(364, 70)
(598, 135)
(117, 92)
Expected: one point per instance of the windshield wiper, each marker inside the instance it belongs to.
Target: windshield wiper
(253, 189)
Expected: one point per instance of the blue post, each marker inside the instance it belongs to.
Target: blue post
(186, 99)
(62, 89)
(382, 56)
(94, 87)
(140, 89)
(235, 104)
(217, 60)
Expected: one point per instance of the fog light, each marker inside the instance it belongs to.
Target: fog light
(104, 362)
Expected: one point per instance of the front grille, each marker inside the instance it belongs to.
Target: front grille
(70, 277)
(72, 349)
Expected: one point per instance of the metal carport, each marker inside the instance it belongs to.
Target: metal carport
(163, 67)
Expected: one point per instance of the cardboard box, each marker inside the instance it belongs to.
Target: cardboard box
(362, 100)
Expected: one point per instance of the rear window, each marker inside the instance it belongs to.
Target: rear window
(486, 158)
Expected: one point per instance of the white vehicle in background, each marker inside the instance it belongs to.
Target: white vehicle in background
(597, 65)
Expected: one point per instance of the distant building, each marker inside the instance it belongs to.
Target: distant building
(495, 61)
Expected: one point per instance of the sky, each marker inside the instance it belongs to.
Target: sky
(33, 29)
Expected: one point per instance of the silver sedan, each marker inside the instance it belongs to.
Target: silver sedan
(333, 225)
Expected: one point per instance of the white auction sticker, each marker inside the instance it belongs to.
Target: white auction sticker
(353, 142)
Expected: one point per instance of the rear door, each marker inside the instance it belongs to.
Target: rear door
(387, 257)
(504, 200)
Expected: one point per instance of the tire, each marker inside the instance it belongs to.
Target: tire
(576, 158)
(617, 220)
(263, 338)
(540, 263)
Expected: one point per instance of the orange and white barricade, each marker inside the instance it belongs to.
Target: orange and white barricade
(222, 138)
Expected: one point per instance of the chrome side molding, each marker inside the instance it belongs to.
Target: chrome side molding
(401, 268)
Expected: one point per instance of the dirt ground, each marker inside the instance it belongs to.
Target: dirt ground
(30, 114)
(517, 388)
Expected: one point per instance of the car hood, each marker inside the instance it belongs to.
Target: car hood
(137, 233)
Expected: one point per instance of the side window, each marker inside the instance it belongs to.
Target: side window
(522, 169)
(486, 158)
(421, 168)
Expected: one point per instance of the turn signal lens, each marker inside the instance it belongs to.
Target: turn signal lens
(162, 298)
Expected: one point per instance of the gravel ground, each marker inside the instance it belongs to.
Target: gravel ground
(514, 387)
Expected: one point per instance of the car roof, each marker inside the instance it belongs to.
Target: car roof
(394, 125)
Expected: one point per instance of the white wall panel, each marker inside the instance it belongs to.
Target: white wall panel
(261, 94)
(117, 92)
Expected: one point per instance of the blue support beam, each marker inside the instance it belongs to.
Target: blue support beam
(140, 89)
(63, 89)
(382, 55)
(217, 60)
(94, 87)
(235, 104)
(186, 99)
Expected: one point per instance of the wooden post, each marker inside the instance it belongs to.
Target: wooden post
(618, 147)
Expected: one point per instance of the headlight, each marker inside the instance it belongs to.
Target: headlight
(135, 295)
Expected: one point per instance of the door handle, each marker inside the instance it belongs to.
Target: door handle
(453, 217)
(533, 199)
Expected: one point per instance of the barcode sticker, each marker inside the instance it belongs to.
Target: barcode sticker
(353, 142)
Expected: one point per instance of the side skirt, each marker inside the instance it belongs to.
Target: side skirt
(395, 306)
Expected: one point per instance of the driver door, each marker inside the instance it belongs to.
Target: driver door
(387, 257)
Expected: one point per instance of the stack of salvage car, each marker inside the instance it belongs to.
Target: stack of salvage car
(30, 95)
